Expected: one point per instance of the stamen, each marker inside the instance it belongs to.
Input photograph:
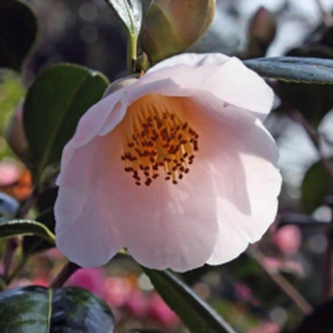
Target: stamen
(157, 140)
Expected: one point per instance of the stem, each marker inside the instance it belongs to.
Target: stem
(13, 243)
(282, 282)
(11, 246)
(68, 269)
(132, 46)
(17, 269)
(24, 209)
(328, 261)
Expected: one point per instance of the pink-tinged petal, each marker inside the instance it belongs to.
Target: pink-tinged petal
(191, 60)
(93, 120)
(226, 78)
(83, 229)
(163, 225)
(238, 230)
(137, 90)
(242, 155)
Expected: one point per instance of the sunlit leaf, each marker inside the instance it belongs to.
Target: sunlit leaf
(16, 227)
(294, 69)
(129, 12)
(34, 244)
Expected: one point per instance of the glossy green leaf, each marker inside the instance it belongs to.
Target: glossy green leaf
(315, 187)
(18, 29)
(54, 104)
(197, 315)
(12, 227)
(42, 310)
(25, 310)
(129, 12)
(34, 244)
(314, 101)
(294, 69)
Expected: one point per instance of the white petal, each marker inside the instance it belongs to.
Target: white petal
(241, 153)
(83, 229)
(238, 230)
(227, 78)
(165, 225)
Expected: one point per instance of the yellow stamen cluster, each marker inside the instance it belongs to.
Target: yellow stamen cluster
(157, 138)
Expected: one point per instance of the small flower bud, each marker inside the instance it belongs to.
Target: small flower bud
(262, 31)
(120, 83)
(170, 27)
(15, 135)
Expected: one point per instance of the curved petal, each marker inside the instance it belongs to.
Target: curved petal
(238, 230)
(163, 225)
(135, 91)
(91, 122)
(226, 78)
(191, 60)
(242, 155)
(83, 231)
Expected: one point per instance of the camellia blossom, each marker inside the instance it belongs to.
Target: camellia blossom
(177, 167)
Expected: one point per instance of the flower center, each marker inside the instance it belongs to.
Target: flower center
(157, 140)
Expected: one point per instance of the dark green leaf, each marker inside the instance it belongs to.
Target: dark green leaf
(312, 100)
(294, 69)
(54, 104)
(33, 244)
(41, 310)
(195, 313)
(18, 29)
(25, 310)
(315, 187)
(78, 310)
(11, 227)
(130, 14)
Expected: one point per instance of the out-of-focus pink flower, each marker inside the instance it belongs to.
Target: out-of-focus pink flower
(288, 239)
(91, 279)
(159, 310)
(177, 167)
(41, 281)
(53, 254)
(9, 173)
(243, 292)
(117, 291)
(280, 264)
(137, 304)
(266, 328)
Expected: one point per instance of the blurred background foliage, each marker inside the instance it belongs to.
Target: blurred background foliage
(270, 288)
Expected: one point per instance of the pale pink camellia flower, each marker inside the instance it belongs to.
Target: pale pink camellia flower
(177, 167)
